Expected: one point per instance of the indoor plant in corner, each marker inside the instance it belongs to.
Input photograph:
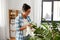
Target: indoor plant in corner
(47, 31)
(53, 31)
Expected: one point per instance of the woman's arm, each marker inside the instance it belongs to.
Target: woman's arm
(17, 23)
(25, 26)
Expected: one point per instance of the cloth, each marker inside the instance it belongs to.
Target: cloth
(27, 31)
(19, 23)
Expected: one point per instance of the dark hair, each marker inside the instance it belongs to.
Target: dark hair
(25, 7)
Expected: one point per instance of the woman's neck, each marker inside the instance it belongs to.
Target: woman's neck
(24, 16)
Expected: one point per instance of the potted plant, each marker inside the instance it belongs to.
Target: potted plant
(47, 31)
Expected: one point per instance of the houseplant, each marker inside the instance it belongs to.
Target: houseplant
(47, 31)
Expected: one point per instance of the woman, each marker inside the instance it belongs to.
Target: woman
(20, 26)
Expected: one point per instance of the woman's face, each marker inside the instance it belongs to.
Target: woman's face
(27, 12)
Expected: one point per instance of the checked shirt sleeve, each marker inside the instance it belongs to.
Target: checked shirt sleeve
(17, 23)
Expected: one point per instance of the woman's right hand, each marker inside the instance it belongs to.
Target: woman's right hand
(23, 27)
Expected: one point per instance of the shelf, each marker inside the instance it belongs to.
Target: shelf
(12, 15)
(13, 30)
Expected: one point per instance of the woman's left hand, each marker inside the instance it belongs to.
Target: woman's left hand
(29, 24)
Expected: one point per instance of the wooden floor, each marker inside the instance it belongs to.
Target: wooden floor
(12, 39)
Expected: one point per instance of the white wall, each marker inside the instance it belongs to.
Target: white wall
(2, 21)
(37, 11)
(7, 20)
(17, 4)
(4, 34)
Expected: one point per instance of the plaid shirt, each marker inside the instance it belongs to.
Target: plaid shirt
(19, 24)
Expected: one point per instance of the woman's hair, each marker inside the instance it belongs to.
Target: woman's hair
(25, 7)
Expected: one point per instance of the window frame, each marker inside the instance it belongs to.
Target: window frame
(51, 10)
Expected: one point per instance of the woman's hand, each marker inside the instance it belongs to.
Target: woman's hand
(23, 27)
(29, 25)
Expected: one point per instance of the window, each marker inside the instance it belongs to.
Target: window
(47, 10)
(56, 13)
(50, 10)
